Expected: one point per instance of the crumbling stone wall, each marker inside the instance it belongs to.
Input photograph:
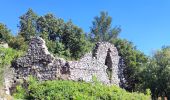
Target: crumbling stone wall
(107, 54)
(102, 63)
(122, 67)
(86, 68)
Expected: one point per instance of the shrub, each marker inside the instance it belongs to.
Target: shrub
(6, 56)
(69, 90)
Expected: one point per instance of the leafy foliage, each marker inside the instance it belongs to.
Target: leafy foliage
(133, 60)
(6, 56)
(5, 34)
(74, 40)
(156, 75)
(66, 90)
(18, 43)
(101, 28)
(63, 39)
(28, 25)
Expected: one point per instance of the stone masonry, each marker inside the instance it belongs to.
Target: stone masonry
(102, 63)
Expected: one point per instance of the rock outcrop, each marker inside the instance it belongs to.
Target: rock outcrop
(4, 45)
(102, 63)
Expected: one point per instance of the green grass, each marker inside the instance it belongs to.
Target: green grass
(69, 90)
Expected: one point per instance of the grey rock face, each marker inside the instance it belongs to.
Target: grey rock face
(102, 63)
(122, 68)
(107, 54)
(37, 54)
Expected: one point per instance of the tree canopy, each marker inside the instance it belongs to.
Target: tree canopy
(5, 34)
(27, 25)
(156, 75)
(102, 30)
(62, 38)
(133, 61)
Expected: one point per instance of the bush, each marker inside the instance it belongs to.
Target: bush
(6, 56)
(69, 90)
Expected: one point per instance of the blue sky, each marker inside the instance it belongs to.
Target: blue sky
(144, 22)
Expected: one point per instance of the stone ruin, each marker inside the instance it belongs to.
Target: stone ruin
(102, 63)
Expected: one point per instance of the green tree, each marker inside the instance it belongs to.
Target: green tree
(5, 34)
(50, 27)
(74, 39)
(18, 43)
(156, 75)
(27, 25)
(133, 61)
(102, 30)
(62, 38)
